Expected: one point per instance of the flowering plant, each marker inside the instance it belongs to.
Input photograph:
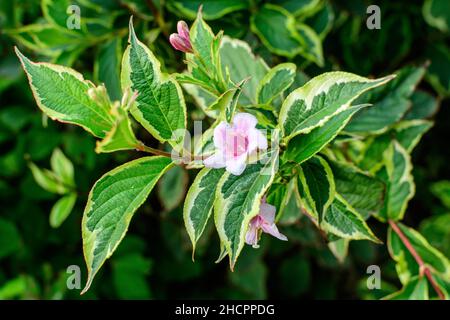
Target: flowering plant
(277, 141)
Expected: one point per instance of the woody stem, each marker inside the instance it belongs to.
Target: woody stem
(423, 268)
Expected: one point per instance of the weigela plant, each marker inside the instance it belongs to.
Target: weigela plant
(274, 143)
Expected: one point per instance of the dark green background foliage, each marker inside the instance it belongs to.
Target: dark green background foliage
(154, 260)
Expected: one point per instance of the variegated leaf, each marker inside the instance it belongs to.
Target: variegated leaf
(112, 203)
(277, 80)
(62, 94)
(318, 185)
(237, 202)
(399, 181)
(160, 106)
(321, 98)
(304, 146)
(198, 205)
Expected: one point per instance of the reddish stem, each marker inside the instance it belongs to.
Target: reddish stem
(423, 268)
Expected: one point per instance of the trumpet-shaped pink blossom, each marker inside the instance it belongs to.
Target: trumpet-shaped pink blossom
(235, 142)
(265, 221)
(180, 40)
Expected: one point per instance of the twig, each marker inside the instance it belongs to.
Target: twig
(158, 17)
(423, 268)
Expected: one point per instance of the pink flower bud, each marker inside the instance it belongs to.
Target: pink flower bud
(180, 41)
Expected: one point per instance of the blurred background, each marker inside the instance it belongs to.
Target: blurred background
(154, 260)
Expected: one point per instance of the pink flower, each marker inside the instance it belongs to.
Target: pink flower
(180, 40)
(265, 221)
(235, 142)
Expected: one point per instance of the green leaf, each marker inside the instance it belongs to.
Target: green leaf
(339, 248)
(304, 146)
(160, 106)
(441, 189)
(172, 187)
(14, 288)
(61, 209)
(237, 202)
(273, 84)
(62, 94)
(47, 39)
(130, 276)
(198, 205)
(362, 191)
(107, 67)
(202, 98)
(202, 38)
(240, 63)
(10, 240)
(437, 75)
(311, 44)
(390, 102)
(226, 104)
(399, 182)
(409, 133)
(424, 105)
(62, 167)
(285, 199)
(211, 9)
(437, 230)
(322, 21)
(415, 289)
(112, 203)
(437, 14)
(371, 158)
(343, 221)
(324, 96)
(121, 135)
(318, 185)
(406, 266)
(299, 7)
(276, 28)
(48, 180)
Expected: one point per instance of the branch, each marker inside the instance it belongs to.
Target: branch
(158, 17)
(423, 268)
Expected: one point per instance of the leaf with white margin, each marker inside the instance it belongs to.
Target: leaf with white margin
(237, 201)
(362, 191)
(240, 63)
(318, 185)
(339, 248)
(390, 103)
(342, 220)
(201, 37)
(399, 180)
(409, 133)
(160, 106)
(121, 136)
(406, 266)
(304, 146)
(275, 26)
(278, 79)
(202, 98)
(112, 202)
(415, 289)
(226, 104)
(62, 94)
(324, 96)
(311, 47)
(211, 9)
(198, 205)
